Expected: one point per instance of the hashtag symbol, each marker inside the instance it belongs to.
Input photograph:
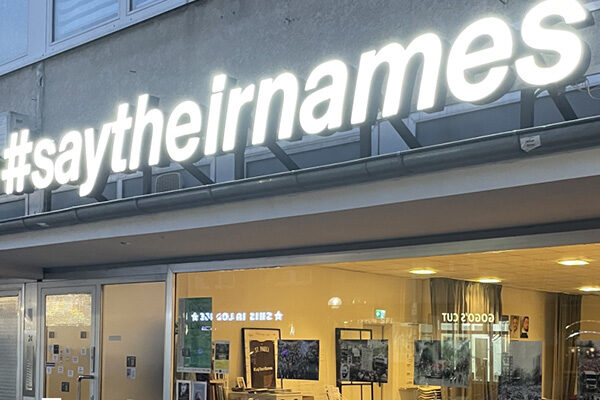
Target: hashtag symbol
(17, 167)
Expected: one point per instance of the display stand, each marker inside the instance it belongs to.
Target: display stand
(340, 383)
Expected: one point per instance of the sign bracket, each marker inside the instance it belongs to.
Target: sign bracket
(405, 133)
(283, 157)
(196, 173)
(559, 97)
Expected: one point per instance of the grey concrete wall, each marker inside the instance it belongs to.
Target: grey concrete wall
(173, 56)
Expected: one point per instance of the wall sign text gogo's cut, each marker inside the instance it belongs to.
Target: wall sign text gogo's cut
(480, 66)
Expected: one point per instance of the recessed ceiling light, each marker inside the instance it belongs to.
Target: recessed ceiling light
(422, 271)
(590, 289)
(574, 262)
(489, 280)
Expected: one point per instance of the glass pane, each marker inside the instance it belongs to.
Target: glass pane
(133, 334)
(75, 16)
(68, 344)
(135, 4)
(13, 30)
(9, 327)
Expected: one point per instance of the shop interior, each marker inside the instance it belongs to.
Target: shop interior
(495, 325)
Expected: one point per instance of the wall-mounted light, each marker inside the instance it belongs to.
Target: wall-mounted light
(334, 303)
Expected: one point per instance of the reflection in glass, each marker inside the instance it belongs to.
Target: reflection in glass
(76, 16)
(13, 30)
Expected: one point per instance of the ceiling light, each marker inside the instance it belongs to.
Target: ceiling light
(590, 289)
(335, 303)
(489, 280)
(422, 271)
(576, 262)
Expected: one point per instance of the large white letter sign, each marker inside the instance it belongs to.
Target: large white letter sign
(144, 119)
(402, 64)
(43, 177)
(573, 53)
(176, 131)
(464, 62)
(68, 162)
(287, 85)
(96, 159)
(211, 143)
(333, 95)
(238, 98)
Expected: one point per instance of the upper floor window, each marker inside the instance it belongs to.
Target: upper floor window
(74, 16)
(13, 29)
(137, 4)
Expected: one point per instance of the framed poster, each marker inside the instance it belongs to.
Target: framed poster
(222, 356)
(194, 341)
(363, 360)
(184, 390)
(298, 359)
(260, 357)
(199, 391)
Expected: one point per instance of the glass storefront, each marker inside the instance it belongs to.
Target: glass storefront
(516, 324)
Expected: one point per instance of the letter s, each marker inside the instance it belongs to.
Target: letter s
(573, 53)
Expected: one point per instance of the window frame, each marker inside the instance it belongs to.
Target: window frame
(40, 29)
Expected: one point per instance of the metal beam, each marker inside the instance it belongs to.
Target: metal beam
(21, 272)
(196, 173)
(405, 133)
(283, 157)
(147, 180)
(366, 134)
(562, 103)
(527, 108)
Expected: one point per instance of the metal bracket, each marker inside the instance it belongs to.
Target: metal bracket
(562, 103)
(405, 133)
(366, 133)
(282, 156)
(528, 97)
(196, 173)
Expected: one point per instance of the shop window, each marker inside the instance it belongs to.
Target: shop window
(382, 330)
(75, 16)
(13, 29)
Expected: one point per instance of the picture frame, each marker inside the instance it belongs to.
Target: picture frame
(241, 383)
(200, 391)
(260, 357)
(183, 390)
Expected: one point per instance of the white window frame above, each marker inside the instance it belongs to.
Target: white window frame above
(41, 24)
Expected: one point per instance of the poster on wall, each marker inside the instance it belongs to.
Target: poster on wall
(515, 325)
(199, 391)
(260, 357)
(442, 363)
(363, 360)
(524, 328)
(588, 370)
(194, 341)
(298, 359)
(521, 372)
(222, 356)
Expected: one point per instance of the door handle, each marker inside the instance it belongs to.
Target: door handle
(79, 379)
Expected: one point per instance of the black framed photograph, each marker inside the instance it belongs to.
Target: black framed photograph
(184, 390)
(298, 360)
(260, 357)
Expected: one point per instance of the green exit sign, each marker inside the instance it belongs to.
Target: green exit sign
(380, 314)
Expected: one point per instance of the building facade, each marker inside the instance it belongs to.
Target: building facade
(299, 199)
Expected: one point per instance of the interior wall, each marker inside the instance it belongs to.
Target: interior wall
(302, 295)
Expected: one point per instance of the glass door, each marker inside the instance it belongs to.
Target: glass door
(69, 351)
(9, 344)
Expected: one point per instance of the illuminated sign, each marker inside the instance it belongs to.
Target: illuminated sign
(380, 314)
(238, 316)
(468, 317)
(479, 67)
